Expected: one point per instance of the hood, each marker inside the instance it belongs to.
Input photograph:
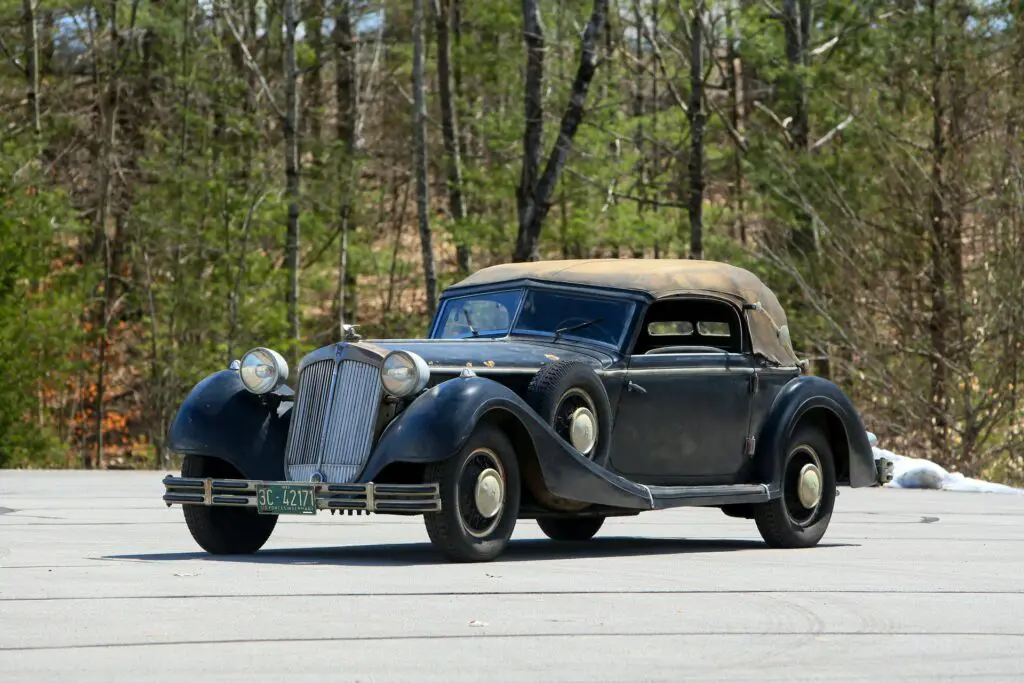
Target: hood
(493, 355)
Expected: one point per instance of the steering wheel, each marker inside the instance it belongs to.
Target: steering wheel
(592, 327)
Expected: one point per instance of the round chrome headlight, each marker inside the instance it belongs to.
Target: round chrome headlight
(263, 370)
(404, 373)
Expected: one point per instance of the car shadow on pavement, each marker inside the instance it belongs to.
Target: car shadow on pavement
(406, 554)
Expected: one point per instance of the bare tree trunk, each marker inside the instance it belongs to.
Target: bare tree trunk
(420, 144)
(939, 314)
(796, 17)
(655, 165)
(460, 99)
(534, 194)
(110, 101)
(956, 198)
(292, 176)
(734, 75)
(639, 111)
(695, 113)
(450, 125)
(314, 112)
(533, 103)
(346, 94)
(30, 30)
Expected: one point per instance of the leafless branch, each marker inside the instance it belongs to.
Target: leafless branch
(249, 61)
(832, 133)
(779, 122)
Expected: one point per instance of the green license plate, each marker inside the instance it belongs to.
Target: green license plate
(285, 499)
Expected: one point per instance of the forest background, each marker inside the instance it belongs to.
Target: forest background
(181, 180)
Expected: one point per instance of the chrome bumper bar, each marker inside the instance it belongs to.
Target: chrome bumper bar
(883, 470)
(368, 497)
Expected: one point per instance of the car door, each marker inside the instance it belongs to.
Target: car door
(683, 416)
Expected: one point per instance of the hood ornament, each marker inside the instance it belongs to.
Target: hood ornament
(349, 334)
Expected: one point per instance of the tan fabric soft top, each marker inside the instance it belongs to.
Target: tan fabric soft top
(660, 278)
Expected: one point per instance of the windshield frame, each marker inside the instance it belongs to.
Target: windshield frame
(439, 317)
(631, 299)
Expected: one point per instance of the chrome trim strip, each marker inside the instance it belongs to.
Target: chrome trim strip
(650, 497)
(782, 370)
(677, 371)
(483, 369)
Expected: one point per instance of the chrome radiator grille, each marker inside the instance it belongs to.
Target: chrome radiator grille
(333, 421)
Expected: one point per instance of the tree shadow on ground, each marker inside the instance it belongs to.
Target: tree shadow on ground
(533, 550)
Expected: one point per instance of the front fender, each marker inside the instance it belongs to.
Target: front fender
(221, 419)
(800, 396)
(437, 424)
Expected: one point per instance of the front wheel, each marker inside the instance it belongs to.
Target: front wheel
(224, 530)
(800, 516)
(570, 528)
(480, 493)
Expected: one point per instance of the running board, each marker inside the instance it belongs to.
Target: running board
(679, 496)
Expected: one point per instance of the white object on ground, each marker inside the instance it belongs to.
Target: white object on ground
(917, 473)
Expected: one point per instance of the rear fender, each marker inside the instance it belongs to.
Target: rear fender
(816, 398)
(221, 419)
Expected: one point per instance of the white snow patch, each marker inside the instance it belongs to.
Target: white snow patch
(917, 473)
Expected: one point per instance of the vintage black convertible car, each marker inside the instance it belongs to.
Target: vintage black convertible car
(560, 391)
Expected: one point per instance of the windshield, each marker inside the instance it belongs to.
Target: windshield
(558, 314)
(479, 315)
(570, 315)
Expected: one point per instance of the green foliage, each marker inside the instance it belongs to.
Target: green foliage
(40, 300)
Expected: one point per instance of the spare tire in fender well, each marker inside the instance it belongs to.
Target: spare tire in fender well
(546, 394)
(550, 389)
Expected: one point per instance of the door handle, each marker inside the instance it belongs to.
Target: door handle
(633, 386)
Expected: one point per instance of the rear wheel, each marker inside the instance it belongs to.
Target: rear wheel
(800, 516)
(570, 528)
(480, 494)
(224, 530)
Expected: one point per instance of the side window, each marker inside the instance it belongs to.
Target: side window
(675, 325)
(712, 328)
(670, 328)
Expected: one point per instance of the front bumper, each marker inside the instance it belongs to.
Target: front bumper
(370, 497)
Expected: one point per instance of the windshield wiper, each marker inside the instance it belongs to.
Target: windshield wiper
(469, 323)
(578, 326)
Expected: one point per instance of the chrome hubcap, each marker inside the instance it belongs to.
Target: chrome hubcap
(809, 485)
(583, 430)
(489, 494)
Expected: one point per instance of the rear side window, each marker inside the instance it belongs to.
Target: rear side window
(713, 329)
(690, 321)
(668, 329)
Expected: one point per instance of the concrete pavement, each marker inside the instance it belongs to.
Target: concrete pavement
(99, 581)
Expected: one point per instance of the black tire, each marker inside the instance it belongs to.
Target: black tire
(563, 384)
(460, 531)
(786, 522)
(224, 530)
(570, 528)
